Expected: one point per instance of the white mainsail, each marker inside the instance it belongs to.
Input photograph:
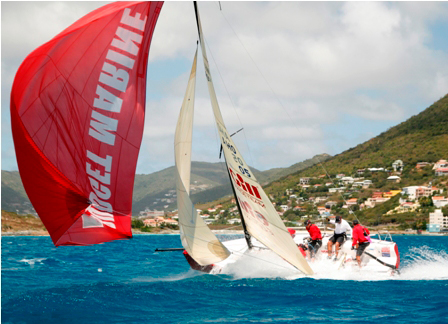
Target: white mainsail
(197, 239)
(261, 219)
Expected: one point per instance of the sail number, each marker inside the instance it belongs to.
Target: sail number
(236, 158)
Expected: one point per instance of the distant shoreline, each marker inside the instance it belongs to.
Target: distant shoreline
(228, 232)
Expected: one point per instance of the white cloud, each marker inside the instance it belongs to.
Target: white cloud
(322, 60)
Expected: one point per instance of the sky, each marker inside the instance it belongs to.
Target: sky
(301, 78)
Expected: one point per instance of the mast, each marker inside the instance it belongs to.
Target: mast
(243, 223)
(246, 232)
(260, 217)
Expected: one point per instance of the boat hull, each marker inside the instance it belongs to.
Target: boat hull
(380, 256)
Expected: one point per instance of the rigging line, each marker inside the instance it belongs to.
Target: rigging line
(287, 112)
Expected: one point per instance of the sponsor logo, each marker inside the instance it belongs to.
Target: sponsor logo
(112, 84)
(385, 252)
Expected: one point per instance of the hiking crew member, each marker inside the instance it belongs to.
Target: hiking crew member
(360, 240)
(301, 247)
(315, 236)
(340, 235)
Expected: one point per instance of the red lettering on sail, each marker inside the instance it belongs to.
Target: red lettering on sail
(239, 181)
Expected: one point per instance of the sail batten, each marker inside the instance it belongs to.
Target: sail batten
(77, 114)
(196, 237)
(261, 218)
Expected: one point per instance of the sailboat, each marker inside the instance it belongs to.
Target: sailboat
(77, 113)
(260, 220)
(263, 228)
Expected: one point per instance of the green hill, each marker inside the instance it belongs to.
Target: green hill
(209, 181)
(422, 138)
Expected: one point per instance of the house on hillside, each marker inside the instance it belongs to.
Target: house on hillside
(421, 165)
(358, 184)
(352, 202)
(397, 166)
(320, 199)
(333, 190)
(423, 192)
(437, 221)
(304, 181)
(404, 207)
(284, 207)
(152, 213)
(391, 193)
(440, 201)
(347, 180)
(330, 204)
(441, 172)
(372, 202)
(440, 164)
(394, 178)
(377, 194)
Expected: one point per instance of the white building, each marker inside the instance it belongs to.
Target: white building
(440, 164)
(347, 180)
(394, 179)
(304, 181)
(333, 190)
(397, 165)
(437, 218)
(415, 192)
(439, 201)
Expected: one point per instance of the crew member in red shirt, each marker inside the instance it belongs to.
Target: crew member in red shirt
(301, 247)
(315, 236)
(359, 240)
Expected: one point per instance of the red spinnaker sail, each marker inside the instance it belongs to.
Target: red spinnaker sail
(77, 113)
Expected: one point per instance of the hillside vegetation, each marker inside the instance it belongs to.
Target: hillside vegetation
(422, 138)
(210, 181)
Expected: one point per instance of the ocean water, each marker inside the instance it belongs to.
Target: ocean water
(127, 282)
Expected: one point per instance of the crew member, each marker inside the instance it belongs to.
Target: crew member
(301, 247)
(360, 241)
(342, 228)
(315, 236)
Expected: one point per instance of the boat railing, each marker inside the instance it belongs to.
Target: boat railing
(385, 236)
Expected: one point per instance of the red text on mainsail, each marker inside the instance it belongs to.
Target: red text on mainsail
(107, 104)
(238, 179)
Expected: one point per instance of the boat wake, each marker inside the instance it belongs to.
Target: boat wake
(424, 263)
(179, 277)
(421, 263)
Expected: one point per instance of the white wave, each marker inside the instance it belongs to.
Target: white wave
(425, 264)
(32, 262)
(259, 264)
(190, 274)
(420, 264)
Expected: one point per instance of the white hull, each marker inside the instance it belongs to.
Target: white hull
(384, 251)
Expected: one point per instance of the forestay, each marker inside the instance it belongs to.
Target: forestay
(261, 218)
(197, 239)
(77, 111)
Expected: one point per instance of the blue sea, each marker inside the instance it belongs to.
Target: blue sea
(127, 282)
